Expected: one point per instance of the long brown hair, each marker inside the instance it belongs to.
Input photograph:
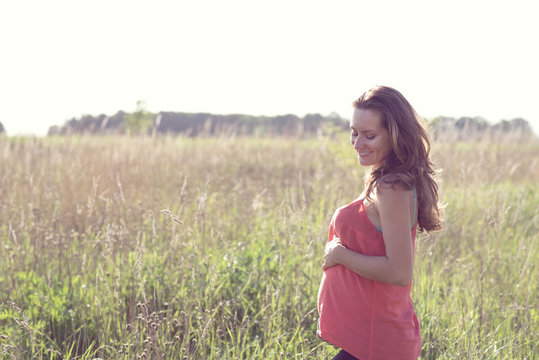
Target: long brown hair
(408, 165)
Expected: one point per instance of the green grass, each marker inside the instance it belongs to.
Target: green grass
(92, 267)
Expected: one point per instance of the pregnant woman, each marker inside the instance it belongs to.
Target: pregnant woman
(364, 297)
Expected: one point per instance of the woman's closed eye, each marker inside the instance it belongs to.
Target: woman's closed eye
(367, 136)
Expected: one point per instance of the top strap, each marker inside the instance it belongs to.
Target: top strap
(415, 207)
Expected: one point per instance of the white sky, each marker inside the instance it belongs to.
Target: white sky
(63, 59)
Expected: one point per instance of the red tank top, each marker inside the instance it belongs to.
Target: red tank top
(369, 319)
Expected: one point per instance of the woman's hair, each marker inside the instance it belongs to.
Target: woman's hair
(408, 165)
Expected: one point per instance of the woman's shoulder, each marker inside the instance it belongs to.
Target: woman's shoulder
(401, 181)
(391, 193)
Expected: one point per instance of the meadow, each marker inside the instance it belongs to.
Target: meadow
(211, 248)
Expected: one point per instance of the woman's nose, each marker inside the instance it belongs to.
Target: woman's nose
(357, 143)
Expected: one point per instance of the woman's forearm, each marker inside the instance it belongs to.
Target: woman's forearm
(378, 268)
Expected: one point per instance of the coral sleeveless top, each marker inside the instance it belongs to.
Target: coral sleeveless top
(369, 319)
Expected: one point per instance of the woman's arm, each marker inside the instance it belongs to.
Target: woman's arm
(396, 267)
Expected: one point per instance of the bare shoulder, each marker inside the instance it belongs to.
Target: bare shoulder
(393, 197)
(396, 209)
(392, 191)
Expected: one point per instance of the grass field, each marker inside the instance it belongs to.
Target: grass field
(177, 248)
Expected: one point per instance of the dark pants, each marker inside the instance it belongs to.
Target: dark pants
(343, 355)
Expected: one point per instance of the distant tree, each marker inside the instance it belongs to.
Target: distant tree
(471, 124)
(2, 130)
(514, 125)
(54, 130)
(517, 128)
(139, 122)
(312, 122)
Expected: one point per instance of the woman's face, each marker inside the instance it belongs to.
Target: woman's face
(369, 138)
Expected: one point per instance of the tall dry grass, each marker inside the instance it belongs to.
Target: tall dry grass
(170, 248)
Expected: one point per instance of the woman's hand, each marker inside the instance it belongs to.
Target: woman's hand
(331, 253)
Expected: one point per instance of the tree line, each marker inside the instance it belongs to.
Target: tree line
(200, 124)
(478, 128)
(143, 122)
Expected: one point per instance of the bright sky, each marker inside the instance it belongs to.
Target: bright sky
(64, 58)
